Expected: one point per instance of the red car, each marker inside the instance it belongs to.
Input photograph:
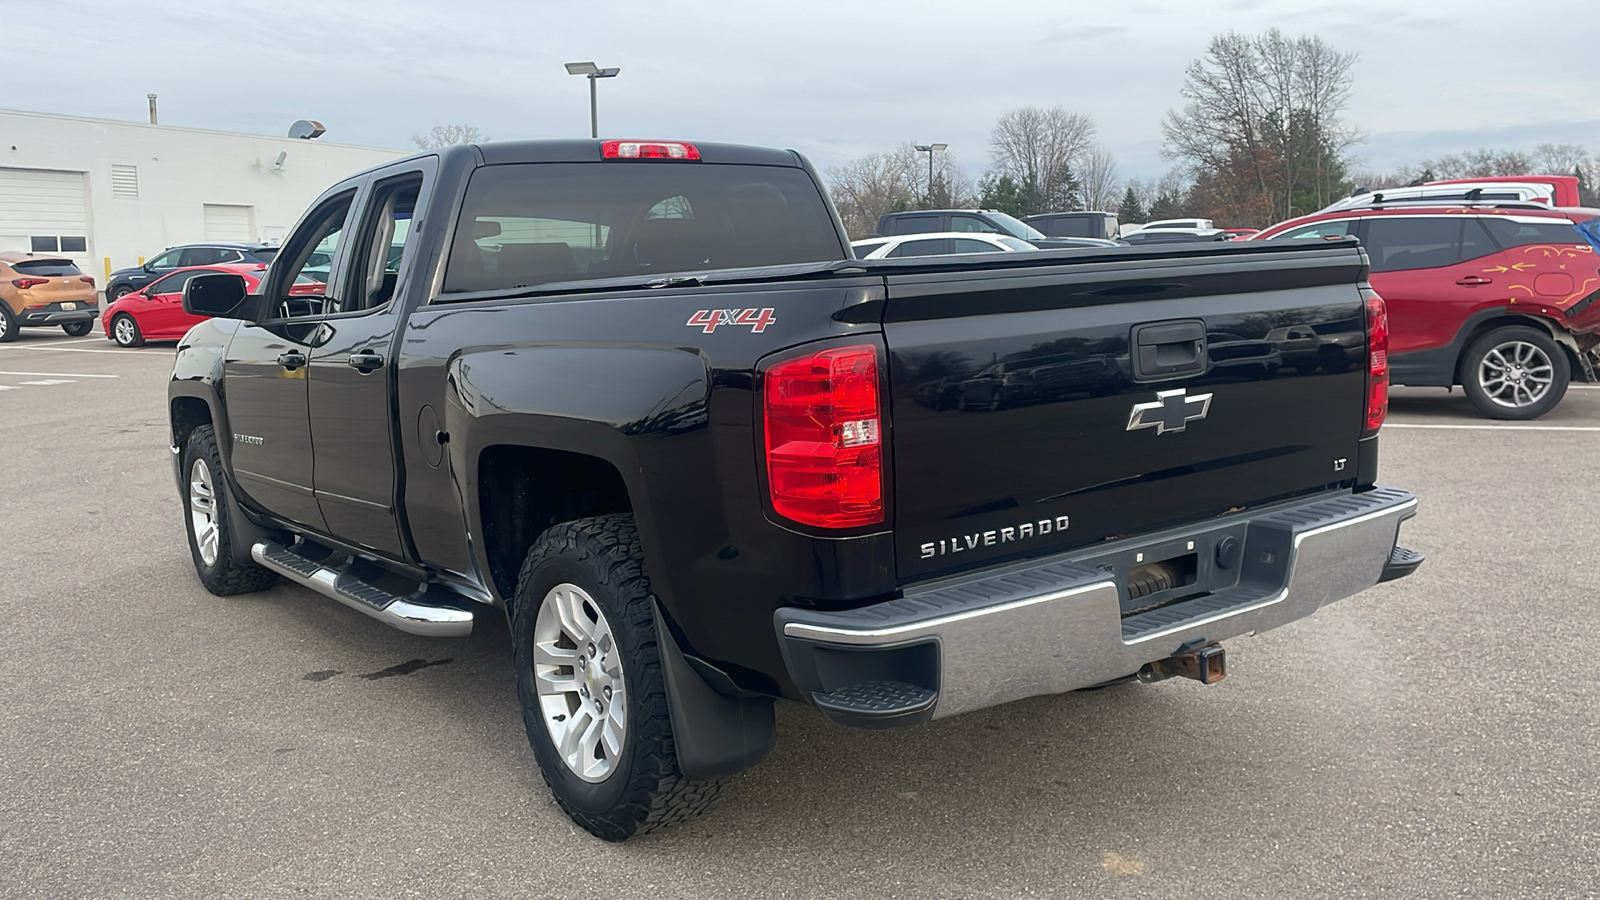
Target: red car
(155, 311)
(1499, 298)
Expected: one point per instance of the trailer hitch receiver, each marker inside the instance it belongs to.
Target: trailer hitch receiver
(1205, 663)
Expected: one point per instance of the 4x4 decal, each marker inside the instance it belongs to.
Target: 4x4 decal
(756, 320)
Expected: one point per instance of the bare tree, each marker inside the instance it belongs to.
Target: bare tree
(1264, 116)
(1039, 149)
(1559, 159)
(1098, 185)
(445, 135)
(866, 188)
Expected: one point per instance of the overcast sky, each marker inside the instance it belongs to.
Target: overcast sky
(833, 80)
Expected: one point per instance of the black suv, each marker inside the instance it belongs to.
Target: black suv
(1080, 223)
(125, 281)
(983, 221)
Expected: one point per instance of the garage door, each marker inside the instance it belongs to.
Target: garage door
(45, 212)
(226, 222)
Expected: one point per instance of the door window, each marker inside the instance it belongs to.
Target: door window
(384, 235)
(913, 224)
(972, 223)
(173, 284)
(310, 252)
(968, 245)
(200, 256)
(167, 260)
(1475, 240)
(1330, 229)
(1413, 242)
(919, 248)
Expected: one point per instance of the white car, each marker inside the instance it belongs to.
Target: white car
(1168, 225)
(938, 244)
(1461, 192)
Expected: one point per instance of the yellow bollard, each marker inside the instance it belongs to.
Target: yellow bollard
(141, 260)
(108, 268)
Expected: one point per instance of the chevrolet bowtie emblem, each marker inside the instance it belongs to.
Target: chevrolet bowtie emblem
(1171, 411)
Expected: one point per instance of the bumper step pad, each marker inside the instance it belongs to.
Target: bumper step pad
(875, 704)
(1402, 562)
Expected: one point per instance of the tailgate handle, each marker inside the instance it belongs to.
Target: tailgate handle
(1163, 350)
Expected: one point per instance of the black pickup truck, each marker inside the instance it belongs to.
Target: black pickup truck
(638, 398)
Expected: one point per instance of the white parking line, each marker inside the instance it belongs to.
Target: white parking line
(87, 350)
(50, 381)
(1497, 427)
(88, 340)
(59, 375)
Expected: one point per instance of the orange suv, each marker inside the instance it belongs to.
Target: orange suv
(44, 290)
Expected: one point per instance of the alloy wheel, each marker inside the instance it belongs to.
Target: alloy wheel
(1516, 374)
(578, 670)
(123, 330)
(203, 511)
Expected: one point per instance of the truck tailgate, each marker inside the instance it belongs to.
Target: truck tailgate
(1051, 406)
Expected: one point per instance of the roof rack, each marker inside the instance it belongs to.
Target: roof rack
(1377, 202)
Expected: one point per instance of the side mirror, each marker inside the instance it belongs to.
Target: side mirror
(223, 295)
(149, 267)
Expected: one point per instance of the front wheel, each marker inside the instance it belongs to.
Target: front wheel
(206, 505)
(116, 293)
(78, 329)
(589, 676)
(125, 331)
(1515, 373)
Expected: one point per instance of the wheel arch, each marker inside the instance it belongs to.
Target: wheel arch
(1507, 319)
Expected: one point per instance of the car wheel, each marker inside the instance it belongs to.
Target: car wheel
(113, 294)
(78, 329)
(8, 324)
(206, 504)
(1515, 373)
(125, 331)
(589, 677)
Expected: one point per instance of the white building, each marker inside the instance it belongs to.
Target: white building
(111, 194)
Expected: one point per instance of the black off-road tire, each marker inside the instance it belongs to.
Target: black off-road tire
(646, 790)
(1472, 362)
(225, 577)
(8, 324)
(130, 336)
(78, 329)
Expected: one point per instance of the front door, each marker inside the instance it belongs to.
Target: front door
(352, 371)
(265, 374)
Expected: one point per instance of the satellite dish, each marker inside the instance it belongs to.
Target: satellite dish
(306, 129)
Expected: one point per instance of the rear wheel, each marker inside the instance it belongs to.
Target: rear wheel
(590, 680)
(1515, 373)
(206, 504)
(125, 331)
(78, 329)
(8, 324)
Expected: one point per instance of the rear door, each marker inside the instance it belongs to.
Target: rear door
(1042, 408)
(352, 374)
(1431, 273)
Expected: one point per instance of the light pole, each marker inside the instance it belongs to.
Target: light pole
(929, 149)
(592, 71)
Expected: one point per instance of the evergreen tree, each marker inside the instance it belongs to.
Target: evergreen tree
(1131, 212)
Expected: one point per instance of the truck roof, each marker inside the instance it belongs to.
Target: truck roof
(587, 150)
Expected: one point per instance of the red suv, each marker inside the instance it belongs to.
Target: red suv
(1498, 298)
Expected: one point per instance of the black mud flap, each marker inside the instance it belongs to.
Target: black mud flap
(716, 735)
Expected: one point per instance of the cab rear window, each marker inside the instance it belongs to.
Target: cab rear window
(46, 267)
(536, 223)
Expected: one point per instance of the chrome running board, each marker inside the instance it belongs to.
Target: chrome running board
(432, 610)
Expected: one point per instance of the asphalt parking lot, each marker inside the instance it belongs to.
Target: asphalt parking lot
(1434, 737)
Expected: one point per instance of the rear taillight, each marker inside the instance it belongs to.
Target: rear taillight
(648, 150)
(86, 279)
(1377, 360)
(25, 283)
(824, 438)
